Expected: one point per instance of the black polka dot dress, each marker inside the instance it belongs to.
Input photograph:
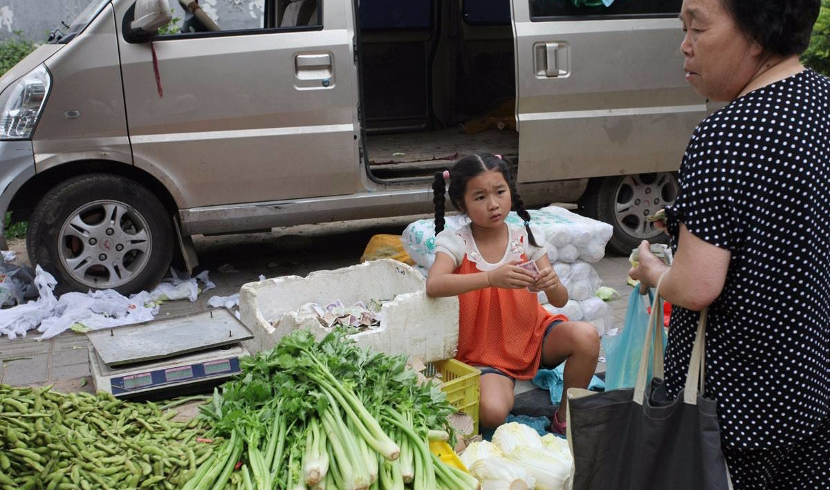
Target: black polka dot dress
(755, 180)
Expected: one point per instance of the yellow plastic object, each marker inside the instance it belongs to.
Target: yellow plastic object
(461, 384)
(386, 247)
(446, 454)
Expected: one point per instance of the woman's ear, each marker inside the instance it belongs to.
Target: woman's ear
(756, 50)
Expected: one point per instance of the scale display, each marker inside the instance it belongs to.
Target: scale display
(217, 366)
(158, 378)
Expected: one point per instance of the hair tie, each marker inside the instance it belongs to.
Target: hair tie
(499, 157)
(527, 223)
(446, 175)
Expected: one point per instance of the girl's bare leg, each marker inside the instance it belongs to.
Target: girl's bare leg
(578, 343)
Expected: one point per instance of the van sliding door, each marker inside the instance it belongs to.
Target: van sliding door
(600, 90)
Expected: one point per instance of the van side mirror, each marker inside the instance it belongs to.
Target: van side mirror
(150, 16)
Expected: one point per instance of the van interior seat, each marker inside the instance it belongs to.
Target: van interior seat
(300, 13)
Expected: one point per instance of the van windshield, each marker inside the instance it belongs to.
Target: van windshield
(79, 24)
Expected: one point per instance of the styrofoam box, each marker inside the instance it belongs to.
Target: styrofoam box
(412, 323)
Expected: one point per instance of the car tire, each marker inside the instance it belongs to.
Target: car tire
(101, 231)
(624, 202)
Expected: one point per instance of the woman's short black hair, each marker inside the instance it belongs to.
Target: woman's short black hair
(780, 26)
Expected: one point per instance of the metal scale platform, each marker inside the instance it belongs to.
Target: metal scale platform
(168, 357)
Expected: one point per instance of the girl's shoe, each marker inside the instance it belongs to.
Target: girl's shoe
(558, 427)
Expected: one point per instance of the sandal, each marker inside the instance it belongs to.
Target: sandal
(558, 427)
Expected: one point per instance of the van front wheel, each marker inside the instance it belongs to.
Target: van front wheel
(624, 202)
(101, 231)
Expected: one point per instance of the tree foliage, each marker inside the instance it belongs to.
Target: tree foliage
(817, 55)
(13, 50)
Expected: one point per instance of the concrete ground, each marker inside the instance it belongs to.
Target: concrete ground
(232, 262)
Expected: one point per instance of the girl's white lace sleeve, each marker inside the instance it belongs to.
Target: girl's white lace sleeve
(536, 252)
(451, 244)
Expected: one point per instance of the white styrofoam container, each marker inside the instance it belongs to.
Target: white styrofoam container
(412, 324)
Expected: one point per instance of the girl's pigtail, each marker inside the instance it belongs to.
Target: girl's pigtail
(519, 206)
(438, 188)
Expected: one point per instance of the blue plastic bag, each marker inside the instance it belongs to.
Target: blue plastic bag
(623, 351)
(553, 380)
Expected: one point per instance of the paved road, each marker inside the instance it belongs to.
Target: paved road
(232, 262)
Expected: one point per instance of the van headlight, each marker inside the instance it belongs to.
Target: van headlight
(21, 104)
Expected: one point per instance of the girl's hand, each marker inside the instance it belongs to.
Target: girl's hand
(510, 276)
(547, 279)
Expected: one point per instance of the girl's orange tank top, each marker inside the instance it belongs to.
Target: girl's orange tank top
(501, 328)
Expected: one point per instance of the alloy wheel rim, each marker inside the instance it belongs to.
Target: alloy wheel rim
(642, 195)
(105, 244)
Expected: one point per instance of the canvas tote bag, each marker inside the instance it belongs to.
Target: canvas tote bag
(632, 439)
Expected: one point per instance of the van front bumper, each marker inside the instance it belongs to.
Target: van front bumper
(17, 165)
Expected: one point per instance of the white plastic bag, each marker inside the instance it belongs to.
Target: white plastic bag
(567, 236)
(22, 318)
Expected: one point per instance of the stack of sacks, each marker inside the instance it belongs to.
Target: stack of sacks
(573, 243)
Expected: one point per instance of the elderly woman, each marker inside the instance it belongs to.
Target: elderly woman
(751, 233)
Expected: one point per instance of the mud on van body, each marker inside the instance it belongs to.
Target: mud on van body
(129, 133)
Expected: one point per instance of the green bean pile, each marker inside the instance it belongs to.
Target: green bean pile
(57, 441)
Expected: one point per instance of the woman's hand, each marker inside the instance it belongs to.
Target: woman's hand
(510, 276)
(649, 269)
(659, 220)
(546, 280)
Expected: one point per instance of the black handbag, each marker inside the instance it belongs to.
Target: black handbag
(633, 439)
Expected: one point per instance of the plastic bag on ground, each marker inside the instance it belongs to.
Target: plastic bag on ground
(386, 247)
(623, 351)
(228, 302)
(94, 310)
(16, 282)
(17, 321)
(553, 380)
(180, 286)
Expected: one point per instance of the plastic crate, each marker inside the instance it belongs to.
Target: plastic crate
(461, 384)
(446, 454)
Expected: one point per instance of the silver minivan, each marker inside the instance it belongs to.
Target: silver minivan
(129, 133)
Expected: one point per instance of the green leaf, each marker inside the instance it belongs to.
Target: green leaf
(606, 293)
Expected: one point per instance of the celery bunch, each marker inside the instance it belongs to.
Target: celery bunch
(329, 415)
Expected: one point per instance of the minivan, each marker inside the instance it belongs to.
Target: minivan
(147, 123)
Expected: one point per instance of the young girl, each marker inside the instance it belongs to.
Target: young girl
(504, 331)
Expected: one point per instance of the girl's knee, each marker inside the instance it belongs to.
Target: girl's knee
(496, 399)
(493, 415)
(586, 338)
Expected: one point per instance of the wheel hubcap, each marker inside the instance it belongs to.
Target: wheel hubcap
(105, 244)
(640, 196)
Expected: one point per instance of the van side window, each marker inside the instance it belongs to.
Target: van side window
(241, 18)
(555, 10)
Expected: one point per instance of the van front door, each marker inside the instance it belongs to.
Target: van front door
(263, 109)
(601, 92)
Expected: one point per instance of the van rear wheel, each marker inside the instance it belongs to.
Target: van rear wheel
(624, 202)
(101, 231)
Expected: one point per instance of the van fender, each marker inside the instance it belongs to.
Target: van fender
(18, 167)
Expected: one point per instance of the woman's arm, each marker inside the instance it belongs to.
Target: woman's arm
(696, 277)
(549, 282)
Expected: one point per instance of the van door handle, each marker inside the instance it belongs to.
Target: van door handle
(317, 67)
(315, 61)
(552, 60)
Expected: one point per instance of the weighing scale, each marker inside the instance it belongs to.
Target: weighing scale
(169, 357)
